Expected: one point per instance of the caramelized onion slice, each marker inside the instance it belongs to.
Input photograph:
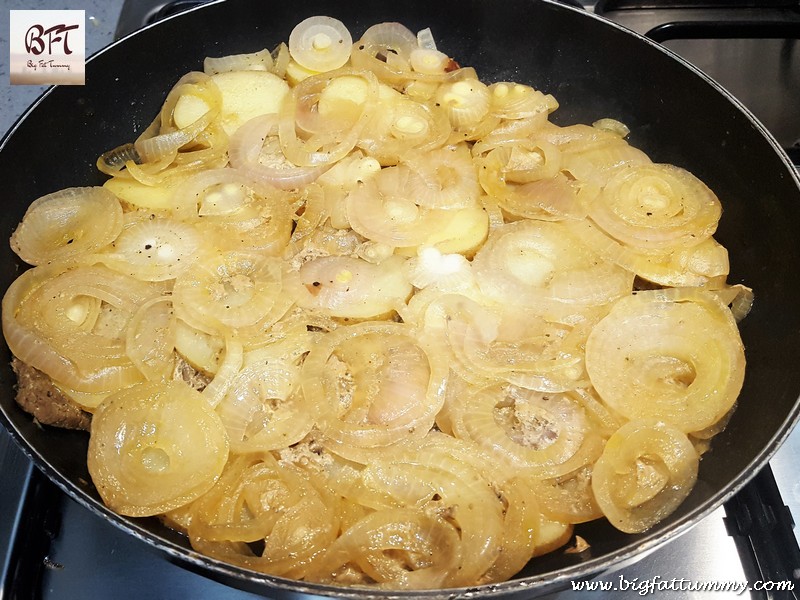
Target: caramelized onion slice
(155, 447)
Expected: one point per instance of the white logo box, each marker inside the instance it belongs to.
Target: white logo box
(47, 47)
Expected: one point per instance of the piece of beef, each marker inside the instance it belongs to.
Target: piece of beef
(37, 396)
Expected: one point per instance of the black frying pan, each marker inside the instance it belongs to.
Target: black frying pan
(595, 70)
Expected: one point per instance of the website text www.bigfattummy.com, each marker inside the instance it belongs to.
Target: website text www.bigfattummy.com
(656, 584)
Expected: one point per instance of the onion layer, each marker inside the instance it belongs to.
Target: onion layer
(644, 473)
(155, 447)
(673, 356)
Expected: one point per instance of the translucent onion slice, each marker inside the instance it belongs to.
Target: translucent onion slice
(150, 339)
(80, 344)
(66, 224)
(521, 526)
(259, 500)
(335, 141)
(263, 409)
(154, 250)
(252, 61)
(399, 548)
(703, 265)
(545, 267)
(320, 43)
(231, 289)
(248, 153)
(227, 370)
(203, 350)
(403, 126)
(385, 50)
(382, 39)
(155, 447)
(655, 207)
(466, 102)
(487, 343)
(568, 498)
(545, 434)
(371, 385)
(236, 211)
(381, 210)
(440, 483)
(446, 178)
(429, 61)
(646, 470)
(518, 101)
(163, 139)
(668, 355)
(349, 287)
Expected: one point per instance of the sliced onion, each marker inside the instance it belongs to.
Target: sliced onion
(155, 447)
(568, 498)
(246, 155)
(49, 326)
(237, 211)
(546, 434)
(154, 250)
(382, 210)
(320, 43)
(419, 477)
(518, 347)
(230, 290)
(401, 548)
(348, 287)
(466, 102)
(385, 49)
(263, 408)
(446, 178)
(673, 356)
(403, 126)
(386, 38)
(150, 339)
(646, 470)
(227, 370)
(705, 264)
(361, 402)
(519, 101)
(253, 61)
(331, 145)
(66, 224)
(259, 500)
(541, 265)
(653, 207)
(521, 526)
(163, 139)
(429, 61)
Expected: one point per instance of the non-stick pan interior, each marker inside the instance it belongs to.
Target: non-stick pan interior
(594, 69)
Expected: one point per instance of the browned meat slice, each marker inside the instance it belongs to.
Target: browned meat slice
(37, 396)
